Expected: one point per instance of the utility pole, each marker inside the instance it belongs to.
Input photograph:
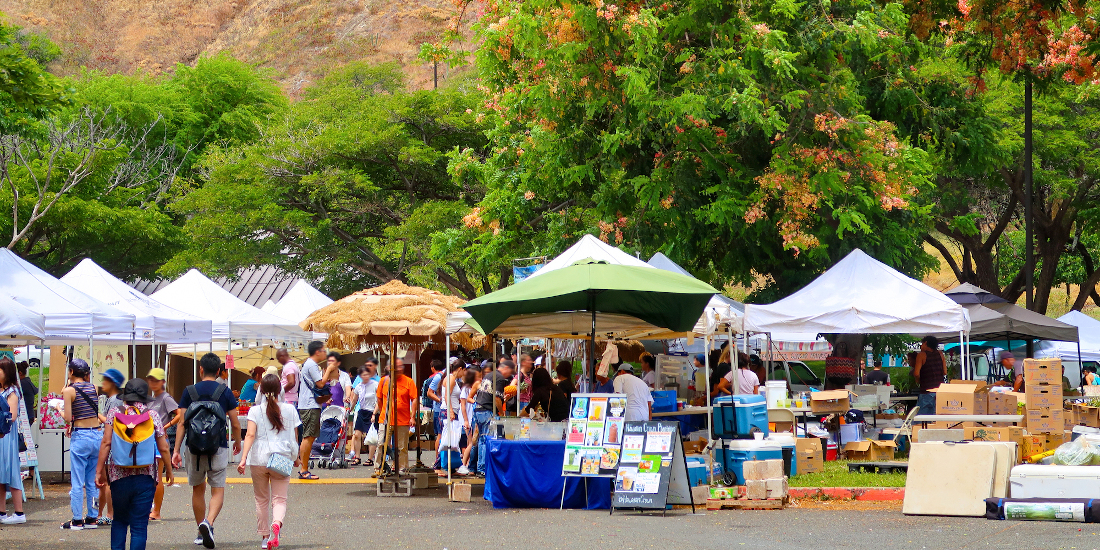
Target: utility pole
(1029, 195)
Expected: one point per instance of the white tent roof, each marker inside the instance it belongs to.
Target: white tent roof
(299, 302)
(1088, 332)
(193, 293)
(19, 324)
(155, 322)
(860, 295)
(70, 315)
(590, 247)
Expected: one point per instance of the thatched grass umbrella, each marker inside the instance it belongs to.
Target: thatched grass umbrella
(370, 317)
(382, 316)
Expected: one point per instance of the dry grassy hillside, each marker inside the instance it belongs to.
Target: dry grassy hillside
(299, 39)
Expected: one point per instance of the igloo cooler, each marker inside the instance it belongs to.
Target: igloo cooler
(739, 416)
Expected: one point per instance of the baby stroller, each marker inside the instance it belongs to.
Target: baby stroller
(329, 447)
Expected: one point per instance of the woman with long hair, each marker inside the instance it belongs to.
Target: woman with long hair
(10, 478)
(272, 430)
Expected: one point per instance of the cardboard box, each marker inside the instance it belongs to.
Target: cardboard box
(720, 493)
(1001, 403)
(1055, 439)
(1014, 434)
(809, 455)
(1042, 371)
(776, 488)
(962, 398)
(1043, 396)
(1032, 444)
(756, 489)
(1086, 415)
(871, 451)
(833, 401)
(1043, 421)
(694, 447)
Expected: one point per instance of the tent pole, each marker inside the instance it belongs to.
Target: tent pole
(195, 362)
(447, 421)
(1080, 363)
(42, 367)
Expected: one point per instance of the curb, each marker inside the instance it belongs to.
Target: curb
(849, 493)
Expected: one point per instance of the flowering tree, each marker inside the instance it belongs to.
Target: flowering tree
(746, 140)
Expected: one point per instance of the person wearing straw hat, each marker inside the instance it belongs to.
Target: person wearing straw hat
(166, 407)
(132, 487)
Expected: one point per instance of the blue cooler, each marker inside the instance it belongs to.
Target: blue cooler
(734, 455)
(664, 401)
(697, 471)
(739, 416)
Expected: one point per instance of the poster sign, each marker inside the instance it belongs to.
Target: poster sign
(594, 435)
(106, 357)
(652, 471)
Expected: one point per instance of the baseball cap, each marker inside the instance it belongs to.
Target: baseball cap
(79, 367)
(157, 374)
(626, 367)
(1007, 355)
(114, 376)
(702, 359)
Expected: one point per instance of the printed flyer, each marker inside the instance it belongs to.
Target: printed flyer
(593, 440)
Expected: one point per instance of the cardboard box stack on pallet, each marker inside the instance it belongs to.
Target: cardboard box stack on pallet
(765, 488)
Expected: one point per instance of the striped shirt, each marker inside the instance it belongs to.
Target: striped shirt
(81, 408)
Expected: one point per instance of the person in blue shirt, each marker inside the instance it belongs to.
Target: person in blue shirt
(248, 392)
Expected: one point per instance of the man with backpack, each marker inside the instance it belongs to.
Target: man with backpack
(209, 411)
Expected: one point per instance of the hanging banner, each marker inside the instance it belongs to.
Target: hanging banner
(106, 357)
(521, 273)
(594, 434)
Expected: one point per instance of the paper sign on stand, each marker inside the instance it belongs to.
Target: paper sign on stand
(652, 471)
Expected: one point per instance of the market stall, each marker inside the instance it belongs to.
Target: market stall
(635, 299)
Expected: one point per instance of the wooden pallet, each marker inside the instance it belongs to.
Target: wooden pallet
(747, 504)
(879, 467)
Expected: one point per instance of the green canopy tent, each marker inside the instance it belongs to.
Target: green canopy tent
(659, 298)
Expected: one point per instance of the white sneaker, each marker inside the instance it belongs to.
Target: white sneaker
(462, 471)
(263, 544)
(198, 540)
(14, 519)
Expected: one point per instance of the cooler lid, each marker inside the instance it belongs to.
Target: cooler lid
(752, 445)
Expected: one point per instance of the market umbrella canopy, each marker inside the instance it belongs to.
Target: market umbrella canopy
(659, 298)
(967, 293)
(372, 316)
(860, 295)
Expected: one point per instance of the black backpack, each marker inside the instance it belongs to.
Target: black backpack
(205, 424)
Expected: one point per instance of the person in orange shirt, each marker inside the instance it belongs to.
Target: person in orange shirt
(406, 401)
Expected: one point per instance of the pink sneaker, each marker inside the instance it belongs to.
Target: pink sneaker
(273, 542)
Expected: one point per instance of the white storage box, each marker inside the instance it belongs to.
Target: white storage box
(1050, 481)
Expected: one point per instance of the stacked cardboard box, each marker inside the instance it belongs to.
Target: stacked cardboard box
(809, 455)
(1043, 401)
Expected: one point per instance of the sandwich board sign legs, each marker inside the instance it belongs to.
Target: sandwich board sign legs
(652, 470)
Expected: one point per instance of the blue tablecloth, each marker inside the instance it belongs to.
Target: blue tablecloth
(527, 474)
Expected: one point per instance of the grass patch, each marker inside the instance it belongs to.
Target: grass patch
(836, 474)
(818, 367)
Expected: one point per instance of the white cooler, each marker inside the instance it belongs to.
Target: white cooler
(1051, 481)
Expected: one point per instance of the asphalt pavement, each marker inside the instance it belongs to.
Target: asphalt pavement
(344, 512)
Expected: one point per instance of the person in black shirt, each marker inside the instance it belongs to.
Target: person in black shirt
(547, 396)
(565, 378)
(877, 376)
(30, 393)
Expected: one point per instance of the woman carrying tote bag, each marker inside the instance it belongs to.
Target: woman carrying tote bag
(271, 448)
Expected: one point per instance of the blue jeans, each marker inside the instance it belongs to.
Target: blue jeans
(926, 403)
(83, 455)
(132, 497)
(437, 423)
(482, 419)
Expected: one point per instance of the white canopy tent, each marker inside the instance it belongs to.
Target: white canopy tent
(155, 322)
(19, 324)
(861, 295)
(1088, 332)
(590, 247)
(232, 318)
(298, 303)
(71, 317)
